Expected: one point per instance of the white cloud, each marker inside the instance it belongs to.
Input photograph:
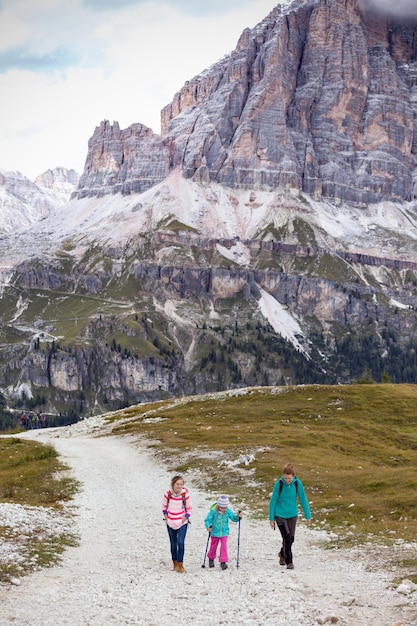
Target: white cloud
(397, 8)
(65, 65)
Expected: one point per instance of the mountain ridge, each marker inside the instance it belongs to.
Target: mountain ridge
(241, 246)
(24, 202)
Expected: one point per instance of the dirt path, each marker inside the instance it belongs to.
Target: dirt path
(121, 572)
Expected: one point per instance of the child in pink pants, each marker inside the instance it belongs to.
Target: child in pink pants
(217, 524)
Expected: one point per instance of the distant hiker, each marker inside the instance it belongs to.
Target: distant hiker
(217, 524)
(283, 511)
(176, 509)
(42, 419)
(24, 420)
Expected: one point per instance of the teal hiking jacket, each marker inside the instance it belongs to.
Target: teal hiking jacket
(284, 504)
(220, 521)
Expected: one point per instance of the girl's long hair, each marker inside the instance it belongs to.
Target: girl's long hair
(174, 480)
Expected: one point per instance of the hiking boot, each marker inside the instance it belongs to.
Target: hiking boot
(223, 565)
(180, 568)
(281, 559)
(211, 563)
(175, 565)
(290, 566)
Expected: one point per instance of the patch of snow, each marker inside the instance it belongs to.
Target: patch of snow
(398, 305)
(281, 320)
(239, 253)
(213, 315)
(24, 390)
(21, 306)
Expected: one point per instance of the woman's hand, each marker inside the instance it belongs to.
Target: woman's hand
(272, 525)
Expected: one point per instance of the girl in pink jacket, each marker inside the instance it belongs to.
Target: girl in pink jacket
(176, 509)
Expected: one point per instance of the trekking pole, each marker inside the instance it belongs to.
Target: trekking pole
(205, 553)
(238, 543)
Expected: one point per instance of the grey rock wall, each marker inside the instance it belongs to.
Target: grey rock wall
(320, 98)
(124, 161)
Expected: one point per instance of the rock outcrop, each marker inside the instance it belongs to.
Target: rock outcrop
(59, 180)
(124, 161)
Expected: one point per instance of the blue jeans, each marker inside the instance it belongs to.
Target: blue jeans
(177, 539)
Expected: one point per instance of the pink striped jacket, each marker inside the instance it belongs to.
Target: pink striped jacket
(176, 509)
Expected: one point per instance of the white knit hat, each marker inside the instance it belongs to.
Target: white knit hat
(223, 501)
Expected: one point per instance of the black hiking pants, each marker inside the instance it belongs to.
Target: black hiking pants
(287, 530)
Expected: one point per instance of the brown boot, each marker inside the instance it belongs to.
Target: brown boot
(180, 568)
(175, 565)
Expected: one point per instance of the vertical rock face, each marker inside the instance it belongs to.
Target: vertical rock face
(127, 161)
(320, 97)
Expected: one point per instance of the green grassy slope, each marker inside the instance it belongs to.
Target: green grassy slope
(354, 447)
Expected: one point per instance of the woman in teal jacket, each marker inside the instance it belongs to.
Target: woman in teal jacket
(283, 511)
(217, 523)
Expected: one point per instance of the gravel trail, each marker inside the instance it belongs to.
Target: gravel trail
(120, 574)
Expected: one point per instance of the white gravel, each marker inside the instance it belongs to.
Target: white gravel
(120, 574)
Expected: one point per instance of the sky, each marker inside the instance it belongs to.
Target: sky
(407, 8)
(67, 65)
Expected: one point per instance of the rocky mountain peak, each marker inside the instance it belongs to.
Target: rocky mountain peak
(24, 202)
(59, 179)
(320, 97)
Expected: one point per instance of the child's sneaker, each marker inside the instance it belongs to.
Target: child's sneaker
(223, 565)
(211, 563)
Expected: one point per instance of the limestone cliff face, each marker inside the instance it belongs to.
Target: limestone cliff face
(319, 97)
(104, 331)
(98, 372)
(125, 161)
